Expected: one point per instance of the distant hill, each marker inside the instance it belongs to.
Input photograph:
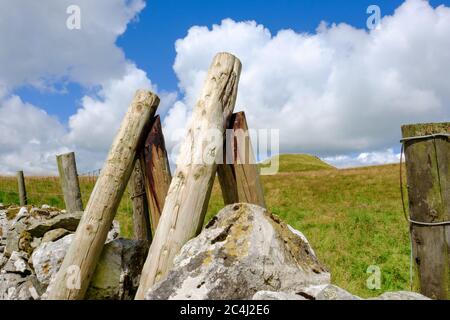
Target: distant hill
(300, 163)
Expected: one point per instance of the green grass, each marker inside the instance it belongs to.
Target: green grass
(352, 218)
(299, 163)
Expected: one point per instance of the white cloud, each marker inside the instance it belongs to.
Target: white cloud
(364, 159)
(39, 49)
(340, 90)
(30, 138)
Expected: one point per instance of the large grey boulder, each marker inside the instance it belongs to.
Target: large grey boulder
(272, 295)
(117, 273)
(332, 292)
(401, 295)
(243, 250)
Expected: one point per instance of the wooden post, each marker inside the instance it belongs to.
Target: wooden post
(73, 277)
(240, 180)
(190, 189)
(428, 177)
(141, 218)
(68, 177)
(22, 189)
(157, 171)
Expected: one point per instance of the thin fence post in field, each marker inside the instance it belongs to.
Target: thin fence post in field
(22, 190)
(190, 189)
(70, 185)
(155, 164)
(427, 155)
(239, 174)
(74, 275)
(141, 217)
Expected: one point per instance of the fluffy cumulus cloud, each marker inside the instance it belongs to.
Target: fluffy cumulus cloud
(340, 90)
(39, 50)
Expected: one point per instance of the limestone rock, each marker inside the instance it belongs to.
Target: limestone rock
(15, 287)
(332, 292)
(272, 295)
(401, 295)
(17, 263)
(54, 235)
(47, 258)
(68, 221)
(114, 232)
(243, 250)
(117, 273)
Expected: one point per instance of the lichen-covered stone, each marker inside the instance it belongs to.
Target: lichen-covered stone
(54, 235)
(243, 250)
(68, 221)
(272, 295)
(332, 292)
(116, 275)
(401, 295)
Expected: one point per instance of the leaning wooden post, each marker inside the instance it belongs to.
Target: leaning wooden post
(155, 162)
(141, 218)
(239, 174)
(73, 277)
(22, 190)
(190, 189)
(70, 185)
(428, 175)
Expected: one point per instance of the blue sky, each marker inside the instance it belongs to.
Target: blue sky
(149, 41)
(338, 91)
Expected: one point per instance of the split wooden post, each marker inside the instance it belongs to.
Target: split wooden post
(70, 185)
(79, 264)
(239, 174)
(22, 189)
(190, 189)
(428, 177)
(155, 164)
(141, 217)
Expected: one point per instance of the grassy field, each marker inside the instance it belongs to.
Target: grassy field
(352, 217)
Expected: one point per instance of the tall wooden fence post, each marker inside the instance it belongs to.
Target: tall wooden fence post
(239, 174)
(79, 264)
(141, 218)
(190, 189)
(155, 164)
(427, 157)
(22, 189)
(70, 185)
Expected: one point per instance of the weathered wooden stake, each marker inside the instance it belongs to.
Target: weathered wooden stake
(22, 189)
(190, 189)
(73, 277)
(428, 176)
(141, 217)
(239, 178)
(70, 185)
(155, 162)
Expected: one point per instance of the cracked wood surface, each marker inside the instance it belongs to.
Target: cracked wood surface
(72, 279)
(190, 189)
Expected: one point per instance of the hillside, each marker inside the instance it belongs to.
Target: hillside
(352, 217)
(299, 163)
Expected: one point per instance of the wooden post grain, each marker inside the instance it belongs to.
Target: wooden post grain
(190, 189)
(141, 217)
(240, 180)
(70, 186)
(155, 164)
(22, 189)
(79, 264)
(428, 177)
